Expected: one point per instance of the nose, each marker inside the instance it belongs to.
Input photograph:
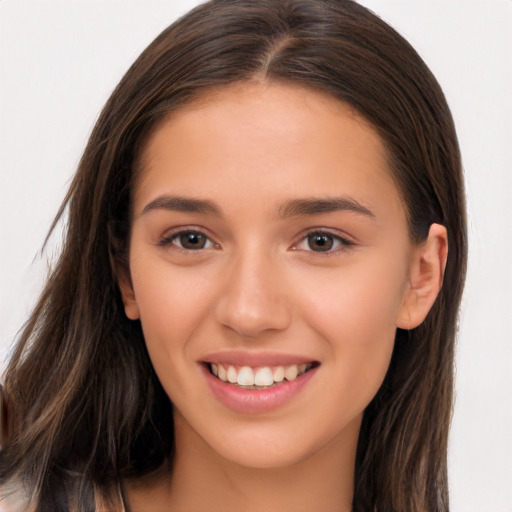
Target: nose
(253, 300)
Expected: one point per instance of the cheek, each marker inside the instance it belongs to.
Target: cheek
(361, 299)
(355, 313)
(172, 303)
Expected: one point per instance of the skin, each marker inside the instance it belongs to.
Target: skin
(259, 284)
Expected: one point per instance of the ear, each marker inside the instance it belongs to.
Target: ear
(131, 308)
(425, 278)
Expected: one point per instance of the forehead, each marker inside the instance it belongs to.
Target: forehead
(268, 139)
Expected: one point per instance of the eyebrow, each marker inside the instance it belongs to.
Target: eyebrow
(291, 208)
(182, 204)
(316, 206)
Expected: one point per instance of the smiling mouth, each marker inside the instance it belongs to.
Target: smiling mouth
(262, 377)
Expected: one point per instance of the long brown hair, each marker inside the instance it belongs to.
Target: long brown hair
(89, 410)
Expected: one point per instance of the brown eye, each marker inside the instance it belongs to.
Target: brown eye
(192, 240)
(323, 242)
(320, 242)
(188, 240)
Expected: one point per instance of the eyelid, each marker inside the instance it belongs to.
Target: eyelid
(344, 241)
(170, 235)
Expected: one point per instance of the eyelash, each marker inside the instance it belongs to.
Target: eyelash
(171, 238)
(340, 243)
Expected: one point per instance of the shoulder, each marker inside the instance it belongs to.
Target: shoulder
(14, 499)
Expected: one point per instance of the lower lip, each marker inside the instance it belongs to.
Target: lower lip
(253, 401)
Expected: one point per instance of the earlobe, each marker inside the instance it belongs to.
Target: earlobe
(131, 308)
(425, 278)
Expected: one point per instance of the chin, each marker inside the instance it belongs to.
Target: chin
(257, 457)
(272, 448)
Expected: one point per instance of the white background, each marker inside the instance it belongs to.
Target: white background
(59, 62)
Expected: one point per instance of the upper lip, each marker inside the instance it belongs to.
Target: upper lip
(254, 359)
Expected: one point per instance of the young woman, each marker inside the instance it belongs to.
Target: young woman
(256, 301)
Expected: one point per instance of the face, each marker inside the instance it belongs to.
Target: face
(270, 265)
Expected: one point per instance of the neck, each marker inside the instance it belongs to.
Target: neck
(203, 480)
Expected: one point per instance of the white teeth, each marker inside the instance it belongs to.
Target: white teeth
(245, 376)
(291, 372)
(232, 374)
(279, 374)
(260, 377)
(222, 373)
(264, 377)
